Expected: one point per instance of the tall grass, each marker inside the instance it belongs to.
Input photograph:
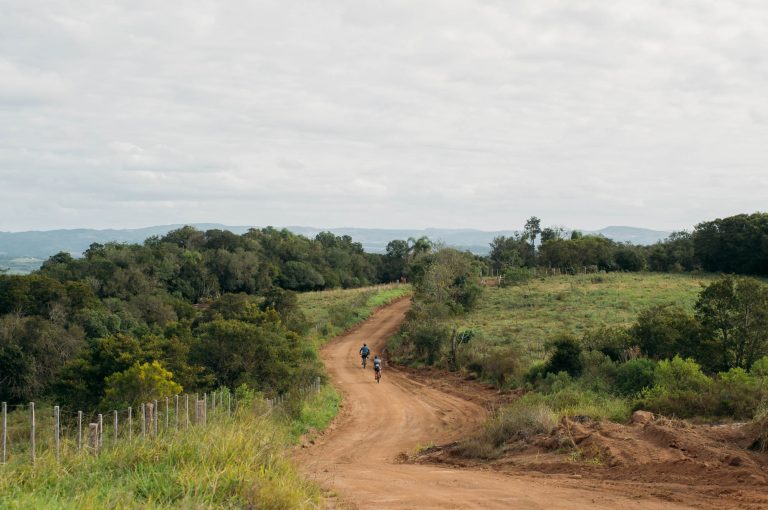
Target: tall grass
(233, 463)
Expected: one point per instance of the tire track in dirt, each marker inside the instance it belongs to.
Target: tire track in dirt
(357, 458)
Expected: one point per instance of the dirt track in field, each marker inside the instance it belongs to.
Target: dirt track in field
(359, 459)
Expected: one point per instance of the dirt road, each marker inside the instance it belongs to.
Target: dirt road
(358, 457)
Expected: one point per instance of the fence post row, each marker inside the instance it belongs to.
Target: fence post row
(149, 418)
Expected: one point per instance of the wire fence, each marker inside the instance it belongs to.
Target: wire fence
(30, 430)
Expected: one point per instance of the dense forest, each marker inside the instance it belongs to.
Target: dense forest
(192, 308)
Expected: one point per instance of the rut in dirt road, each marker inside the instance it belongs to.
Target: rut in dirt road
(358, 457)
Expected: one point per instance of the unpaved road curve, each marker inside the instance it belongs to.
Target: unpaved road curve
(357, 457)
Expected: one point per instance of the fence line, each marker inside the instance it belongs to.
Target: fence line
(62, 437)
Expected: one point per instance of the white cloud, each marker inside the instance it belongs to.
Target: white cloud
(463, 113)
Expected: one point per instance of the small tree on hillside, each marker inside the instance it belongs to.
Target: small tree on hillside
(140, 383)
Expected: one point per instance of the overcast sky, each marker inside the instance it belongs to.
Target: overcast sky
(331, 113)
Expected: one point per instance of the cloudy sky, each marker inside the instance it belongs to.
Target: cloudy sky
(390, 113)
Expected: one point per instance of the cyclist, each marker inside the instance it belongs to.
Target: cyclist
(364, 352)
(377, 367)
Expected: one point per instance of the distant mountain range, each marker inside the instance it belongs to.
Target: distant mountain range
(22, 252)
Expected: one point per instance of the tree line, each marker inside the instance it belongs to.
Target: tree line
(736, 244)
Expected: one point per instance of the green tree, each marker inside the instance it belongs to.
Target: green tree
(139, 383)
(565, 356)
(736, 311)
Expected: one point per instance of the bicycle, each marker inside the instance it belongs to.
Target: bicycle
(378, 375)
(365, 359)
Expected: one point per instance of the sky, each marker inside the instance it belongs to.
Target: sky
(382, 113)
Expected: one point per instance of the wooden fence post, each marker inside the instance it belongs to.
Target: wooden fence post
(213, 403)
(166, 414)
(157, 409)
(115, 415)
(32, 429)
(148, 418)
(79, 431)
(5, 429)
(176, 414)
(93, 438)
(197, 415)
(186, 410)
(56, 431)
(200, 412)
(101, 431)
(143, 421)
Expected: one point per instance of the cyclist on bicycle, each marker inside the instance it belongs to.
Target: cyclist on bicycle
(377, 367)
(364, 352)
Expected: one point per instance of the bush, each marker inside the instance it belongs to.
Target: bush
(635, 375)
(613, 342)
(598, 371)
(536, 372)
(739, 394)
(140, 383)
(516, 276)
(428, 340)
(681, 389)
(566, 356)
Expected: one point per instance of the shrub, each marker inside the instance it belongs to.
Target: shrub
(536, 372)
(680, 389)
(598, 371)
(667, 330)
(635, 375)
(516, 276)
(428, 340)
(739, 393)
(613, 342)
(566, 356)
(140, 383)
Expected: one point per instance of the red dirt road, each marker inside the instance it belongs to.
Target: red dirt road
(357, 458)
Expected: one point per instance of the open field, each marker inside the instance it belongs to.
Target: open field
(529, 314)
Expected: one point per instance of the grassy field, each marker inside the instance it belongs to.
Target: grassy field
(530, 314)
(331, 312)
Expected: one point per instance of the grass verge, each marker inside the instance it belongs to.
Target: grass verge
(233, 463)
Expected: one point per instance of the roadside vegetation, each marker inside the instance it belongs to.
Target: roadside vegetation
(235, 462)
